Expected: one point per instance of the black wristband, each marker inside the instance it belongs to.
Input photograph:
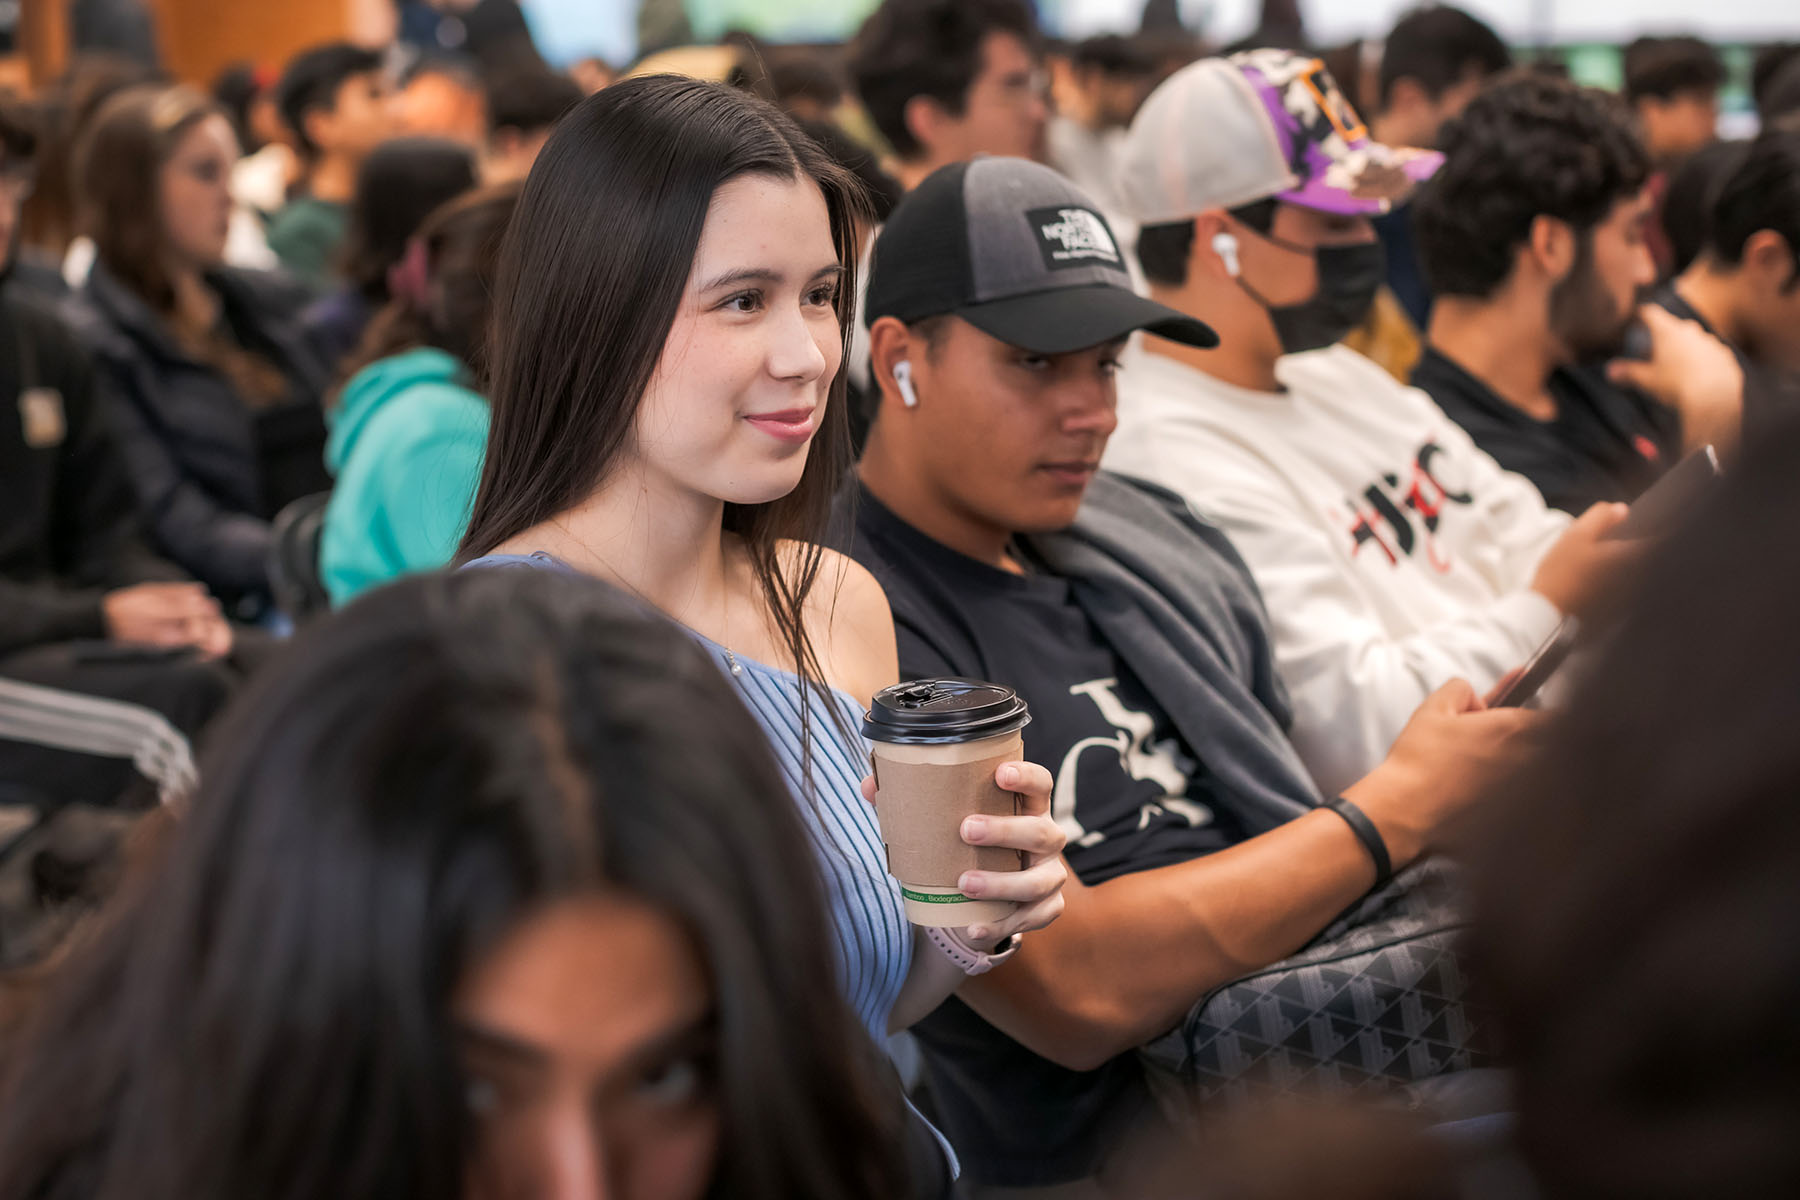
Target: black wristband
(1368, 835)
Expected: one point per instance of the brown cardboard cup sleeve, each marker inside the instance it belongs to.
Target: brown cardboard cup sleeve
(921, 806)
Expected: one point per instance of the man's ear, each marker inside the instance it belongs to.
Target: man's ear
(317, 122)
(1768, 255)
(505, 142)
(1551, 245)
(1204, 258)
(925, 119)
(1406, 96)
(892, 343)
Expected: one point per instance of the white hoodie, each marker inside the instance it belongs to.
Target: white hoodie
(1392, 554)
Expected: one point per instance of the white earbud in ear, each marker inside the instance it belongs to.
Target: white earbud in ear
(1225, 245)
(903, 381)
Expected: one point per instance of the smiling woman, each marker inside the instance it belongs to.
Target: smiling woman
(541, 922)
(668, 415)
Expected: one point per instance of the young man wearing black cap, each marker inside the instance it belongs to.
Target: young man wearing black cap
(998, 306)
(1393, 554)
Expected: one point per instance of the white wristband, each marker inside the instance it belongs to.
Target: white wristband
(972, 960)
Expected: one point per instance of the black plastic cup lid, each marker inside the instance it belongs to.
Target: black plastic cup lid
(931, 711)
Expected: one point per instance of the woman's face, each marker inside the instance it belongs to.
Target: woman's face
(587, 1041)
(741, 386)
(196, 193)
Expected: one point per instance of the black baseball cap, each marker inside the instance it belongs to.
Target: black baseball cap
(1018, 251)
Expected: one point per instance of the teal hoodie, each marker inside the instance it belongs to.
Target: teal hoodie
(407, 438)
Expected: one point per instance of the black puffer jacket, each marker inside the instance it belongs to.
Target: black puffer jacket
(69, 529)
(210, 471)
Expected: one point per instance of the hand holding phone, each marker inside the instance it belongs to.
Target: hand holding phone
(1524, 685)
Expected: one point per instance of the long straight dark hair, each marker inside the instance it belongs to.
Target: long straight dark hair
(593, 271)
(267, 1012)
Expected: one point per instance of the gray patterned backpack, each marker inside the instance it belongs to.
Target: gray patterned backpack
(1379, 999)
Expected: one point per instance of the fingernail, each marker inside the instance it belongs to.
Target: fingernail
(974, 828)
(976, 933)
(969, 884)
(1009, 777)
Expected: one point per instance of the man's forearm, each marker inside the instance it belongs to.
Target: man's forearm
(1131, 956)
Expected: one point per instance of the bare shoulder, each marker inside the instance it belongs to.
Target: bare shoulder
(848, 622)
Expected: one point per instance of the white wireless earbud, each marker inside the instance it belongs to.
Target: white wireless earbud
(1225, 245)
(903, 381)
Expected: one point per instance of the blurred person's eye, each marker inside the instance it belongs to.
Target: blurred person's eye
(1110, 366)
(210, 171)
(1028, 83)
(1033, 362)
(677, 1081)
(823, 295)
(481, 1097)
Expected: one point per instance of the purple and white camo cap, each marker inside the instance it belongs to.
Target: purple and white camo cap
(1223, 132)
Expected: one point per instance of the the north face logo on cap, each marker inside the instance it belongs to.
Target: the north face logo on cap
(1073, 237)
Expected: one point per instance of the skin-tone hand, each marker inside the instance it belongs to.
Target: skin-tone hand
(1421, 796)
(1038, 888)
(167, 615)
(1580, 569)
(1693, 373)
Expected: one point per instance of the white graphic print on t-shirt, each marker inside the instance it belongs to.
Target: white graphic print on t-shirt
(1161, 762)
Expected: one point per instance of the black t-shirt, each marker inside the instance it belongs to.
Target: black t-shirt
(1605, 443)
(1128, 793)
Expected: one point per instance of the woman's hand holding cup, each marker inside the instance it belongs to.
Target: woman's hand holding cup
(1038, 888)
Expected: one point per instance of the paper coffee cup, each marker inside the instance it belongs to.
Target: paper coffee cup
(935, 745)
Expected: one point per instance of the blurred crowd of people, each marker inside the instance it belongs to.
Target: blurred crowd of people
(455, 513)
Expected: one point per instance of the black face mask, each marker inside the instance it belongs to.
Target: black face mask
(1349, 277)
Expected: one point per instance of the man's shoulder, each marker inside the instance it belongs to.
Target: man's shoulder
(62, 347)
(1121, 492)
(306, 222)
(308, 210)
(40, 318)
(1340, 372)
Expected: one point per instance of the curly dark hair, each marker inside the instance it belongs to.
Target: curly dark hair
(1530, 146)
(1624, 928)
(929, 48)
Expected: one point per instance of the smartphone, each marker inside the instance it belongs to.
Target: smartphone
(1665, 502)
(1539, 667)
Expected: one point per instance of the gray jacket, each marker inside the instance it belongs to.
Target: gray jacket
(1176, 602)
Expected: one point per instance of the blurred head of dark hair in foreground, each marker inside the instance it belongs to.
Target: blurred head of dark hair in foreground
(338, 980)
(1639, 891)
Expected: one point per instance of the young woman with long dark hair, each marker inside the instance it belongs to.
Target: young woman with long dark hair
(214, 388)
(668, 414)
(492, 889)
